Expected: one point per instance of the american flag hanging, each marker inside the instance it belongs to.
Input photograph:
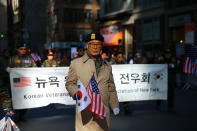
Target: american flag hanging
(190, 62)
(96, 106)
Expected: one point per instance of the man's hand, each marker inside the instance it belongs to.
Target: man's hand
(74, 97)
(116, 111)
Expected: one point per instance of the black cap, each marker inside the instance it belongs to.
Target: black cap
(94, 36)
(21, 45)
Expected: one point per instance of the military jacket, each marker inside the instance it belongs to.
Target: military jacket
(21, 61)
(46, 63)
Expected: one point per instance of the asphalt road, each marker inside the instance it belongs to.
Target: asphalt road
(144, 117)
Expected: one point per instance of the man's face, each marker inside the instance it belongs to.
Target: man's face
(94, 47)
(80, 52)
(22, 50)
(50, 57)
(119, 58)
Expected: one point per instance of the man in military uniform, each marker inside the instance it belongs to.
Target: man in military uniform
(50, 61)
(21, 60)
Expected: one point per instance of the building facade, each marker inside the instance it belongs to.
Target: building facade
(76, 18)
(3, 24)
(161, 24)
(149, 22)
(116, 25)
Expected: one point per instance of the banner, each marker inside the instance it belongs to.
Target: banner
(139, 82)
(37, 87)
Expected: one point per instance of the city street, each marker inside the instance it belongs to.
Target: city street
(144, 116)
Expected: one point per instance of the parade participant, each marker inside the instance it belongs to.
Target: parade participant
(80, 52)
(168, 59)
(21, 60)
(120, 60)
(84, 68)
(50, 61)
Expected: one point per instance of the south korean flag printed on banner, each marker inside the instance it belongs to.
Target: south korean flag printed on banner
(83, 99)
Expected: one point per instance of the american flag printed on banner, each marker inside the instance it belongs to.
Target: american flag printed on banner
(22, 82)
(96, 106)
(190, 62)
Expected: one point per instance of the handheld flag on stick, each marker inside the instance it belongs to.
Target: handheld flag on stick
(6, 124)
(83, 99)
(96, 106)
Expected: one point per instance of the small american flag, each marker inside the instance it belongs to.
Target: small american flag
(96, 106)
(22, 82)
(190, 62)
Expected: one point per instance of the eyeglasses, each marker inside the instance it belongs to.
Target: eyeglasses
(93, 44)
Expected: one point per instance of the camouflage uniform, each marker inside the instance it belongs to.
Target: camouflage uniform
(19, 61)
(46, 63)
(22, 61)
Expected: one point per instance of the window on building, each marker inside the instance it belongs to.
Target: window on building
(148, 30)
(78, 1)
(78, 16)
(75, 35)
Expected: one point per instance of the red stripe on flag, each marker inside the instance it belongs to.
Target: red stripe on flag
(96, 106)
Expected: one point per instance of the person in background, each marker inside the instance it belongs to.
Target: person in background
(79, 53)
(140, 58)
(34, 55)
(120, 60)
(105, 56)
(168, 59)
(64, 61)
(85, 68)
(57, 57)
(21, 60)
(50, 61)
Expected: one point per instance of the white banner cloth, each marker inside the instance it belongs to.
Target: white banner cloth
(37, 87)
(138, 82)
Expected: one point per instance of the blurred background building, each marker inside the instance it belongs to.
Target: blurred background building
(116, 25)
(127, 25)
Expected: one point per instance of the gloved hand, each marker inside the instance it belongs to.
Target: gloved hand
(116, 111)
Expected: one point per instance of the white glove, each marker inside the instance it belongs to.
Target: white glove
(8, 69)
(116, 111)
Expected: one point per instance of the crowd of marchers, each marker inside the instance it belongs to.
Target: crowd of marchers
(24, 56)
